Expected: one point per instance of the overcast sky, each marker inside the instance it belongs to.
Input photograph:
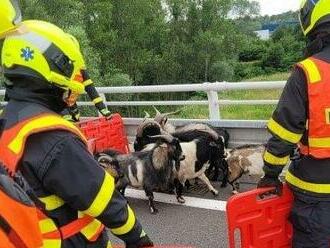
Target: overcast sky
(273, 7)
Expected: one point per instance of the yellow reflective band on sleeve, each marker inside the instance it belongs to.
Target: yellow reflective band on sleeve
(103, 197)
(274, 160)
(88, 82)
(109, 245)
(91, 229)
(51, 243)
(127, 226)
(319, 142)
(283, 133)
(67, 117)
(47, 225)
(97, 100)
(41, 123)
(52, 202)
(312, 187)
(312, 70)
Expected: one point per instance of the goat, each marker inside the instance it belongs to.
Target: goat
(198, 154)
(247, 159)
(217, 153)
(148, 169)
(162, 120)
(145, 131)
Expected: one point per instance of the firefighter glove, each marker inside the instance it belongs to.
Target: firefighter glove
(144, 241)
(269, 181)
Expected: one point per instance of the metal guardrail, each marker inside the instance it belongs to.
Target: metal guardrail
(241, 131)
(211, 89)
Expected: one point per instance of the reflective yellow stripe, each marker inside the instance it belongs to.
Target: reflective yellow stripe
(312, 70)
(319, 142)
(283, 133)
(127, 226)
(109, 245)
(97, 100)
(47, 225)
(313, 187)
(103, 197)
(88, 82)
(274, 160)
(91, 229)
(51, 243)
(52, 202)
(39, 123)
(67, 117)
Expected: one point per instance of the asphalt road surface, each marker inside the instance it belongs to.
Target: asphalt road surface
(199, 223)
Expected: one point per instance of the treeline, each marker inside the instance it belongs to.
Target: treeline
(150, 42)
(278, 54)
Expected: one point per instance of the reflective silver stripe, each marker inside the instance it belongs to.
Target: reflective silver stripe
(42, 43)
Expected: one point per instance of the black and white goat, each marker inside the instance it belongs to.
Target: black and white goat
(162, 120)
(199, 154)
(150, 169)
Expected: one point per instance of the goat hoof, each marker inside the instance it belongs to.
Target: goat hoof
(223, 185)
(181, 199)
(153, 210)
(215, 193)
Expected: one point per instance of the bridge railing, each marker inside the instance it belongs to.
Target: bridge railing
(242, 131)
(211, 89)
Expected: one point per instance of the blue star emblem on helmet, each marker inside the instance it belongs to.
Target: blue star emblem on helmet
(27, 53)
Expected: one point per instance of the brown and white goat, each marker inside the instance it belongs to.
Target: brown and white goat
(247, 159)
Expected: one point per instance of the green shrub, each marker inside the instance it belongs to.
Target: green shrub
(221, 71)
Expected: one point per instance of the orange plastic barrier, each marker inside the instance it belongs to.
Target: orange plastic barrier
(103, 134)
(262, 223)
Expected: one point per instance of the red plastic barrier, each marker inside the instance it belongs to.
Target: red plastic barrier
(103, 134)
(262, 223)
(160, 246)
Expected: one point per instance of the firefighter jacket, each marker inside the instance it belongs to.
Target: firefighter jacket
(70, 186)
(302, 117)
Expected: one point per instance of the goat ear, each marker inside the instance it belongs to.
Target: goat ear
(163, 145)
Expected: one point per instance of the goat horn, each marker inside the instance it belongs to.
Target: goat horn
(167, 137)
(144, 124)
(172, 113)
(157, 111)
(147, 115)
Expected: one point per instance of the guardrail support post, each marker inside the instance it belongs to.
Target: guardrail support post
(214, 110)
(102, 95)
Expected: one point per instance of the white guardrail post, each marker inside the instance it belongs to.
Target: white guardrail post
(214, 109)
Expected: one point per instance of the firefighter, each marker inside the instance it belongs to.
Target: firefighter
(44, 71)
(302, 117)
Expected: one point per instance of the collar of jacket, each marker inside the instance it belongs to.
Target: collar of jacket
(42, 93)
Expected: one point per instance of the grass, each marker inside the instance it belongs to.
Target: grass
(240, 112)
